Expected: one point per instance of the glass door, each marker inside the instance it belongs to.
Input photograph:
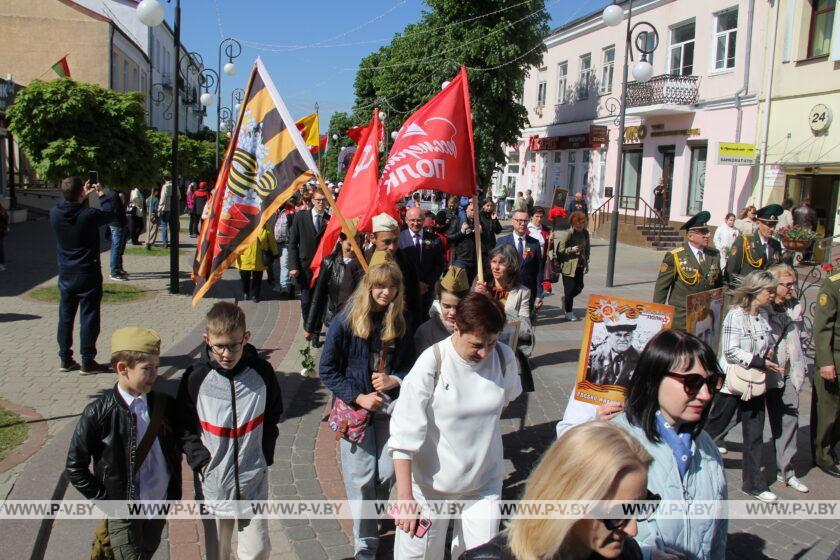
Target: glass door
(631, 176)
(697, 180)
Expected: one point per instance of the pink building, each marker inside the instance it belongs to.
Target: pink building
(704, 91)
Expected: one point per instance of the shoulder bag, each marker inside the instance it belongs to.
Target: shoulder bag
(350, 421)
(746, 382)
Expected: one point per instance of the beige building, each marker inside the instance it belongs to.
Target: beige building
(801, 99)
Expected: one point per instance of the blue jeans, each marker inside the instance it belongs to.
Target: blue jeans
(79, 290)
(283, 263)
(118, 240)
(368, 475)
(164, 227)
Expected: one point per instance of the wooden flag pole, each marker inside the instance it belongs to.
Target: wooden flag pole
(477, 234)
(348, 230)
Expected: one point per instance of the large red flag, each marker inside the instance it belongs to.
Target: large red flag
(434, 149)
(358, 191)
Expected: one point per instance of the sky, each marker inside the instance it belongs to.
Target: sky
(312, 48)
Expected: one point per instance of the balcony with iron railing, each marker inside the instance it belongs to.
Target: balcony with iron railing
(663, 95)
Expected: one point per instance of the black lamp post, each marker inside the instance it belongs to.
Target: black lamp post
(642, 72)
(232, 49)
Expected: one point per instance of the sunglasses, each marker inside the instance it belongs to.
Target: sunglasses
(693, 382)
(643, 512)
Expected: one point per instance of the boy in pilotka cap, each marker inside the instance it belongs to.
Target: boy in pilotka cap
(129, 434)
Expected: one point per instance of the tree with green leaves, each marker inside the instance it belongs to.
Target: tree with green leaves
(196, 156)
(69, 128)
(496, 40)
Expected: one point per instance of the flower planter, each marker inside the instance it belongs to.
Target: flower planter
(796, 244)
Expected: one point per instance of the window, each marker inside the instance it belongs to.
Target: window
(607, 70)
(585, 76)
(697, 180)
(542, 88)
(125, 77)
(631, 177)
(562, 78)
(822, 20)
(135, 80)
(558, 157)
(585, 161)
(570, 172)
(682, 50)
(726, 32)
(602, 171)
(513, 169)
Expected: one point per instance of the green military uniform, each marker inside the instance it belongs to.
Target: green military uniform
(682, 273)
(825, 409)
(749, 252)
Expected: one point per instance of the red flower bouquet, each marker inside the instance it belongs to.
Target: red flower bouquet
(555, 213)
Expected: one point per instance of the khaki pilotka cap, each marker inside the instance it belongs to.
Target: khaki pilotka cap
(380, 257)
(135, 339)
(455, 280)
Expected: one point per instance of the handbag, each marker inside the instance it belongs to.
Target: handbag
(100, 548)
(350, 421)
(552, 270)
(746, 383)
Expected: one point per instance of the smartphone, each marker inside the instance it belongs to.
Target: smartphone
(423, 522)
(93, 177)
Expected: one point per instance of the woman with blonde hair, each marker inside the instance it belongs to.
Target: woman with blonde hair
(746, 342)
(746, 222)
(367, 352)
(593, 461)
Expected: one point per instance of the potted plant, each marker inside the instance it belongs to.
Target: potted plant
(307, 361)
(796, 238)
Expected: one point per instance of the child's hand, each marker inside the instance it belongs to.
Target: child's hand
(383, 382)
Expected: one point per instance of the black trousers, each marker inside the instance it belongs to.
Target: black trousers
(195, 220)
(135, 228)
(572, 286)
(251, 282)
(79, 291)
(751, 412)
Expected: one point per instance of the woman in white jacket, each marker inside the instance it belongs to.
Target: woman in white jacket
(446, 440)
(725, 236)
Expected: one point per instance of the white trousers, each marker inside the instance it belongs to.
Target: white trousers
(476, 525)
(251, 536)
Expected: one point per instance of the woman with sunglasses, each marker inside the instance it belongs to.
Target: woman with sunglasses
(593, 461)
(673, 385)
(747, 341)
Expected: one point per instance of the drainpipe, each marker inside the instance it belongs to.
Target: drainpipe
(765, 118)
(111, 56)
(745, 88)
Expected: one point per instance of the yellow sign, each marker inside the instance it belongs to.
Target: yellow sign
(733, 153)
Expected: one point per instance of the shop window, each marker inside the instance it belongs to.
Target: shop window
(697, 179)
(585, 159)
(570, 171)
(726, 33)
(631, 176)
(822, 21)
(682, 50)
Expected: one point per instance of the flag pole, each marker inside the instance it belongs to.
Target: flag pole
(345, 226)
(477, 234)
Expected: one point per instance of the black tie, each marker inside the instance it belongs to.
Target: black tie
(318, 223)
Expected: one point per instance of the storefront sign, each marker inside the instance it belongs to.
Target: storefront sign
(774, 177)
(575, 141)
(682, 132)
(819, 119)
(598, 135)
(733, 153)
(635, 133)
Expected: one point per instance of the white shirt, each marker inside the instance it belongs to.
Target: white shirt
(698, 253)
(153, 475)
(454, 441)
(315, 219)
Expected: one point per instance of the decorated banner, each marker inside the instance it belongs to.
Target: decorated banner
(357, 192)
(615, 332)
(266, 162)
(703, 318)
(433, 150)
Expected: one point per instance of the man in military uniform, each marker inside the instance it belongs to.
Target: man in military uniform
(690, 268)
(825, 401)
(758, 251)
(614, 360)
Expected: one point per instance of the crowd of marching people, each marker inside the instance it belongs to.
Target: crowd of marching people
(424, 343)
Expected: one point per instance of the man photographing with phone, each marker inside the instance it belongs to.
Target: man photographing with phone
(76, 228)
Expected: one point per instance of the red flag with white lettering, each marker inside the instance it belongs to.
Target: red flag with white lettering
(358, 193)
(434, 149)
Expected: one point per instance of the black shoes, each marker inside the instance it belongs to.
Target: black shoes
(94, 367)
(69, 365)
(831, 470)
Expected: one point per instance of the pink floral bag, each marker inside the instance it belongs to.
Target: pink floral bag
(350, 421)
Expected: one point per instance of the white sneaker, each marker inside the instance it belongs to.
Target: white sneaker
(119, 278)
(766, 496)
(794, 483)
(570, 316)
(722, 450)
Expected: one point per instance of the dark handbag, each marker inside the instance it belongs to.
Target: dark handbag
(267, 257)
(552, 270)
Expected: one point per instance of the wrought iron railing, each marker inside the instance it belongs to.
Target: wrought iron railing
(664, 89)
(632, 210)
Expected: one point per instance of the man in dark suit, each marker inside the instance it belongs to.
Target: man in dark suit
(304, 236)
(758, 251)
(530, 256)
(426, 252)
(614, 360)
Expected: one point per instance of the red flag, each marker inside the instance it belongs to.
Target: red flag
(355, 133)
(433, 150)
(358, 191)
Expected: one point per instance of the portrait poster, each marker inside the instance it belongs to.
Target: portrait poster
(703, 319)
(614, 333)
(560, 197)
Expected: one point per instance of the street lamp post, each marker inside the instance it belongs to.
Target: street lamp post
(236, 101)
(232, 49)
(642, 72)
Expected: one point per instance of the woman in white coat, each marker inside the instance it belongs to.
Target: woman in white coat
(725, 236)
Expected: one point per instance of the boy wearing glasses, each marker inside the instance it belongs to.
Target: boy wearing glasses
(230, 405)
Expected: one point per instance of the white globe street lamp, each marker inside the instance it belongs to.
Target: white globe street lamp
(237, 107)
(394, 135)
(613, 15)
(642, 71)
(207, 99)
(382, 116)
(335, 137)
(150, 12)
(445, 84)
(223, 127)
(230, 69)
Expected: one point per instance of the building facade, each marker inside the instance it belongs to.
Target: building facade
(802, 143)
(704, 91)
